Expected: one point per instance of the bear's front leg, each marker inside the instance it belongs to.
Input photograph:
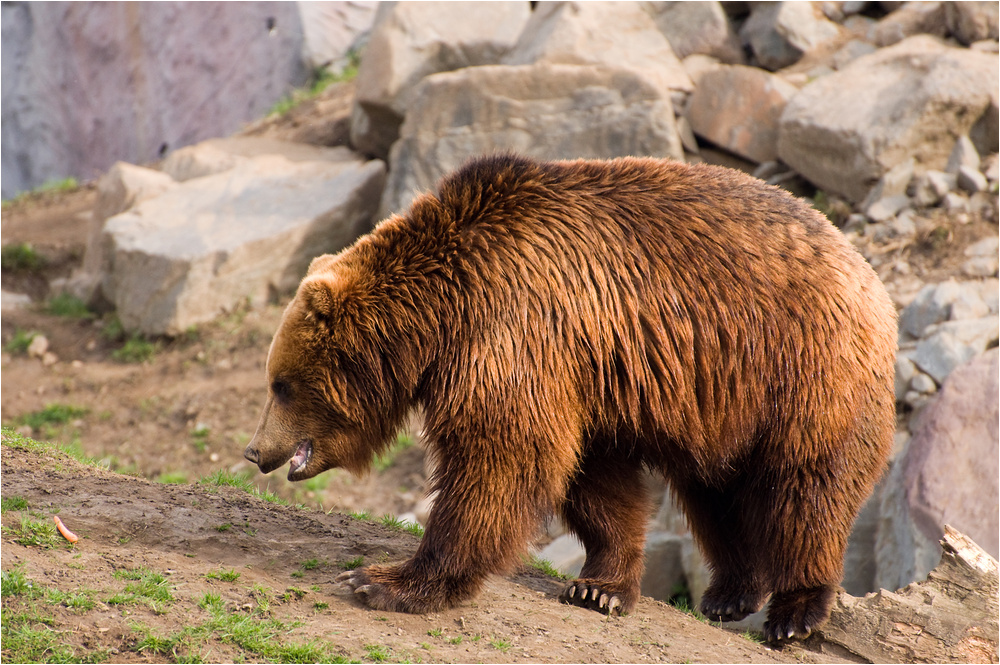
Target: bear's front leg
(488, 505)
(399, 588)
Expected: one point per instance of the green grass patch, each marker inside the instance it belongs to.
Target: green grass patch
(172, 478)
(256, 635)
(69, 306)
(20, 341)
(322, 78)
(545, 566)
(137, 349)
(32, 532)
(500, 645)
(144, 587)
(351, 564)
(377, 653)
(81, 601)
(52, 414)
(13, 582)
(397, 524)
(21, 257)
(13, 503)
(223, 575)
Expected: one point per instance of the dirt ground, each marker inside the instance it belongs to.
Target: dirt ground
(159, 426)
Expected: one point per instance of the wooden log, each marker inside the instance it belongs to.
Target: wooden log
(951, 617)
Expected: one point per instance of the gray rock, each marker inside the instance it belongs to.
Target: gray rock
(781, 32)
(964, 153)
(664, 571)
(213, 242)
(13, 301)
(937, 303)
(905, 371)
(983, 260)
(948, 475)
(850, 52)
(618, 34)
(697, 27)
(845, 130)
(971, 21)
(543, 111)
(913, 18)
(738, 108)
(971, 180)
(923, 383)
(89, 84)
(950, 344)
(333, 29)
(932, 186)
(955, 202)
(411, 40)
(886, 208)
(566, 555)
(893, 182)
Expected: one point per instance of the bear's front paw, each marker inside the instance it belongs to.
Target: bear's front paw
(386, 588)
(795, 614)
(596, 596)
(718, 604)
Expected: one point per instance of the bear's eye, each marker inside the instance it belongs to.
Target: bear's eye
(282, 391)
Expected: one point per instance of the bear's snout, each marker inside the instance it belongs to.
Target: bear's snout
(251, 454)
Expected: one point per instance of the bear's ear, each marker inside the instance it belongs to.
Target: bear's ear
(323, 297)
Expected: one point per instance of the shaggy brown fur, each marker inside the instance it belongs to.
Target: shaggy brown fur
(564, 324)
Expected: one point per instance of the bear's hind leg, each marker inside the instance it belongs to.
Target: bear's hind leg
(731, 545)
(607, 508)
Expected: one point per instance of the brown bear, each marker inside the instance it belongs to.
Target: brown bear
(563, 325)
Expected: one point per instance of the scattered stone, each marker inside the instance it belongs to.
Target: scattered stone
(780, 32)
(844, 141)
(983, 258)
(955, 202)
(543, 111)
(697, 27)
(912, 18)
(932, 186)
(963, 154)
(850, 52)
(905, 371)
(970, 22)
(738, 108)
(886, 208)
(893, 182)
(49, 359)
(937, 303)
(411, 40)
(923, 383)
(971, 179)
(12, 301)
(38, 346)
(950, 344)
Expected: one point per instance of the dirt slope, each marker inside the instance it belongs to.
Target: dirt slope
(286, 558)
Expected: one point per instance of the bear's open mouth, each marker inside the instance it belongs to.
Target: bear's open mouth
(301, 458)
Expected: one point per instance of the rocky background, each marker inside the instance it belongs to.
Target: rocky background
(883, 114)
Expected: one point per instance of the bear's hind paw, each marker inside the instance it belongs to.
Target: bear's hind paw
(592, 595)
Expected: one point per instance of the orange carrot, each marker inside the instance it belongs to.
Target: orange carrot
(66, 533)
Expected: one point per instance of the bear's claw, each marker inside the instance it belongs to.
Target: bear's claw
(591, 596)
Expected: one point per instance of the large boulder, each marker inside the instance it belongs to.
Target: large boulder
(948, 475)
(247, 233)
(913, 99)
(543, 111)
(411, 40)
(333, 29)
(738, 108)
(618, 34)
(86, 84)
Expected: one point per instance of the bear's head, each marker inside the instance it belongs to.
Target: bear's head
(333, 400)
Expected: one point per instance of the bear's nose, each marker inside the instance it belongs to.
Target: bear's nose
(251, 454)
